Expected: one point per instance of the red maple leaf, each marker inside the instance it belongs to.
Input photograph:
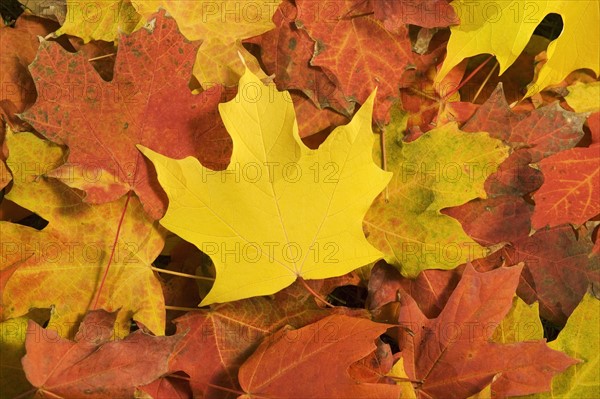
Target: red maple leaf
(147, 102)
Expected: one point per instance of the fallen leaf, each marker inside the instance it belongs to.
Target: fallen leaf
(282, 364)
(558, 270)
(521, 323)
(429, 13)
(402, 380)
(357, 51)
(443, 168)
(430, 289)
(147, 102)
(66, 260)
(102, 20)
(571, 189)
(579, 339)
(165, 387)
(92, 365)
(221, 26)
(490, 221)
(227, 334)
(504, 30)
(286, 52)
(280, 210)
(18, 49)
(451, 356)
(584, 97)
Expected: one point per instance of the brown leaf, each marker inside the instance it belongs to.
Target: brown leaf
(558, 270)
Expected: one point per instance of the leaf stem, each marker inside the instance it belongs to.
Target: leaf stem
(174, 273)
(101, 57)
(464, 82)
(112, 252)
(314, 293)
(183, 309)
(489, 75)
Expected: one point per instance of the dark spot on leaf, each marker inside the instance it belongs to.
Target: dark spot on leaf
(292, 44)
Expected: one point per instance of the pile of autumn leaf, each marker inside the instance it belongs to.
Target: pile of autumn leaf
(161, 154)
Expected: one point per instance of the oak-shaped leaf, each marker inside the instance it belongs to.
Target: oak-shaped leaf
(93, 365)
(147, 102)
(443, 168)
(313, 361)
(451, 356)
(62, 265)
(280, 210)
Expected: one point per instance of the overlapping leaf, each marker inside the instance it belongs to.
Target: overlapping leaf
(286, 52)
(451, 355)
(571, 189)
(102, 20)
(18, 49)
(92, 365)
(221, 26)
(504, 29)
(62, 265)
(445, 167)
(280, 210)
(147, 102)
(357, 51)
(226, 335)
(579, 339)
(429, 13)
(559, 267)
(282, 365)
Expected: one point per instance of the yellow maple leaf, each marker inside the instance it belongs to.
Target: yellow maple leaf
(61, 266)
(504, 28)
(280, 210)
(99, 20)
(221, 26)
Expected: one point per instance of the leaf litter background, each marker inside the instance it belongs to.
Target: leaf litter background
(468, 269)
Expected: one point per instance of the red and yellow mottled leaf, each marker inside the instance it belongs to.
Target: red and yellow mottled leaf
(62, 265)
(221, 25)
(147, 102)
